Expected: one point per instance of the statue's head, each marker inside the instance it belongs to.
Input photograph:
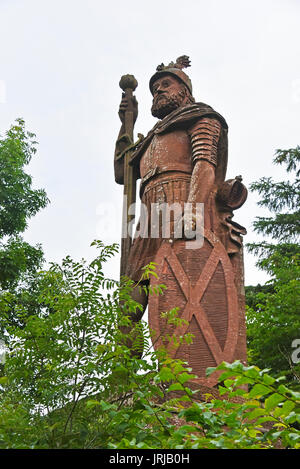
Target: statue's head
(170, 87)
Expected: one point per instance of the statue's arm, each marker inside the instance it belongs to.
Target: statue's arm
(123, 140)
(118, 159)
(202, 181)
(204, 135)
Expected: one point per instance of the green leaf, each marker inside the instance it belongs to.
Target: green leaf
(222, 390)
(166, 374)
(295, 394)
(259, 390)
(283, 389)
(268, 380)
(253, 432)
(184, 377)
(254, 414)
(228, 383)
(3, 380)
(252, 372)
(210, 370)
(287, 407)
(92, 403)
(272, 401)
(175, 387)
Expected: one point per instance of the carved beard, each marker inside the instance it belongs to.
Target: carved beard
(164, 104)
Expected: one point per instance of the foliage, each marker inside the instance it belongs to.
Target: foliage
(71, 381)
(279, 197)
(19, 261)
(18, 202)
(257, 412)
(18, 257)
(273, 320)
(17, 198)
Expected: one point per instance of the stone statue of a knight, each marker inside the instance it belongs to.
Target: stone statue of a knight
(182, 162)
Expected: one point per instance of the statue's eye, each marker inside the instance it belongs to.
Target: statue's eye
(165, 83)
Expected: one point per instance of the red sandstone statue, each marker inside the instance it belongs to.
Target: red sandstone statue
(181, 161)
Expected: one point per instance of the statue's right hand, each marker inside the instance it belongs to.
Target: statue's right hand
(128, 104)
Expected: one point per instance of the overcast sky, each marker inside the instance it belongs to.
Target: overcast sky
(60, 66)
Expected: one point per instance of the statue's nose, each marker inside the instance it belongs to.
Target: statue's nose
(159, 90)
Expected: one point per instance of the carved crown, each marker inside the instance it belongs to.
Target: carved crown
(181, 62)
(174, 68)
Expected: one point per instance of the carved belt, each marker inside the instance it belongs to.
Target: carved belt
(162, 178)
(150, 174)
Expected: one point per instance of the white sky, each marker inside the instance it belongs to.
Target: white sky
(60, 65)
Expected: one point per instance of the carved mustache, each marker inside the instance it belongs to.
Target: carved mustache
(159, 97)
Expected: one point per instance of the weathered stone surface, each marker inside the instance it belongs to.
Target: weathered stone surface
(201, 283)
(183, 160)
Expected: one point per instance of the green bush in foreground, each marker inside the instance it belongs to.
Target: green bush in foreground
(70, 381)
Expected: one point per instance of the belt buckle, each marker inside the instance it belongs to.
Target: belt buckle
(150, 173)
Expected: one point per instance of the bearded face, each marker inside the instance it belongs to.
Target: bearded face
(168, 95)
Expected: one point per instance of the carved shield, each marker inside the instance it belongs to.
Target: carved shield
(200, 282)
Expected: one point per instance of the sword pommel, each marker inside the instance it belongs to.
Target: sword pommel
(128, 82)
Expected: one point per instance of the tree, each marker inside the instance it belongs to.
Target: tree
(19, 261)
(273, 320)
(18, 202)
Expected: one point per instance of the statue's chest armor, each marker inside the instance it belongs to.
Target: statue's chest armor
(167, 152)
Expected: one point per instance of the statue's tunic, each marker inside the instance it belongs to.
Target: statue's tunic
(165, 166)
